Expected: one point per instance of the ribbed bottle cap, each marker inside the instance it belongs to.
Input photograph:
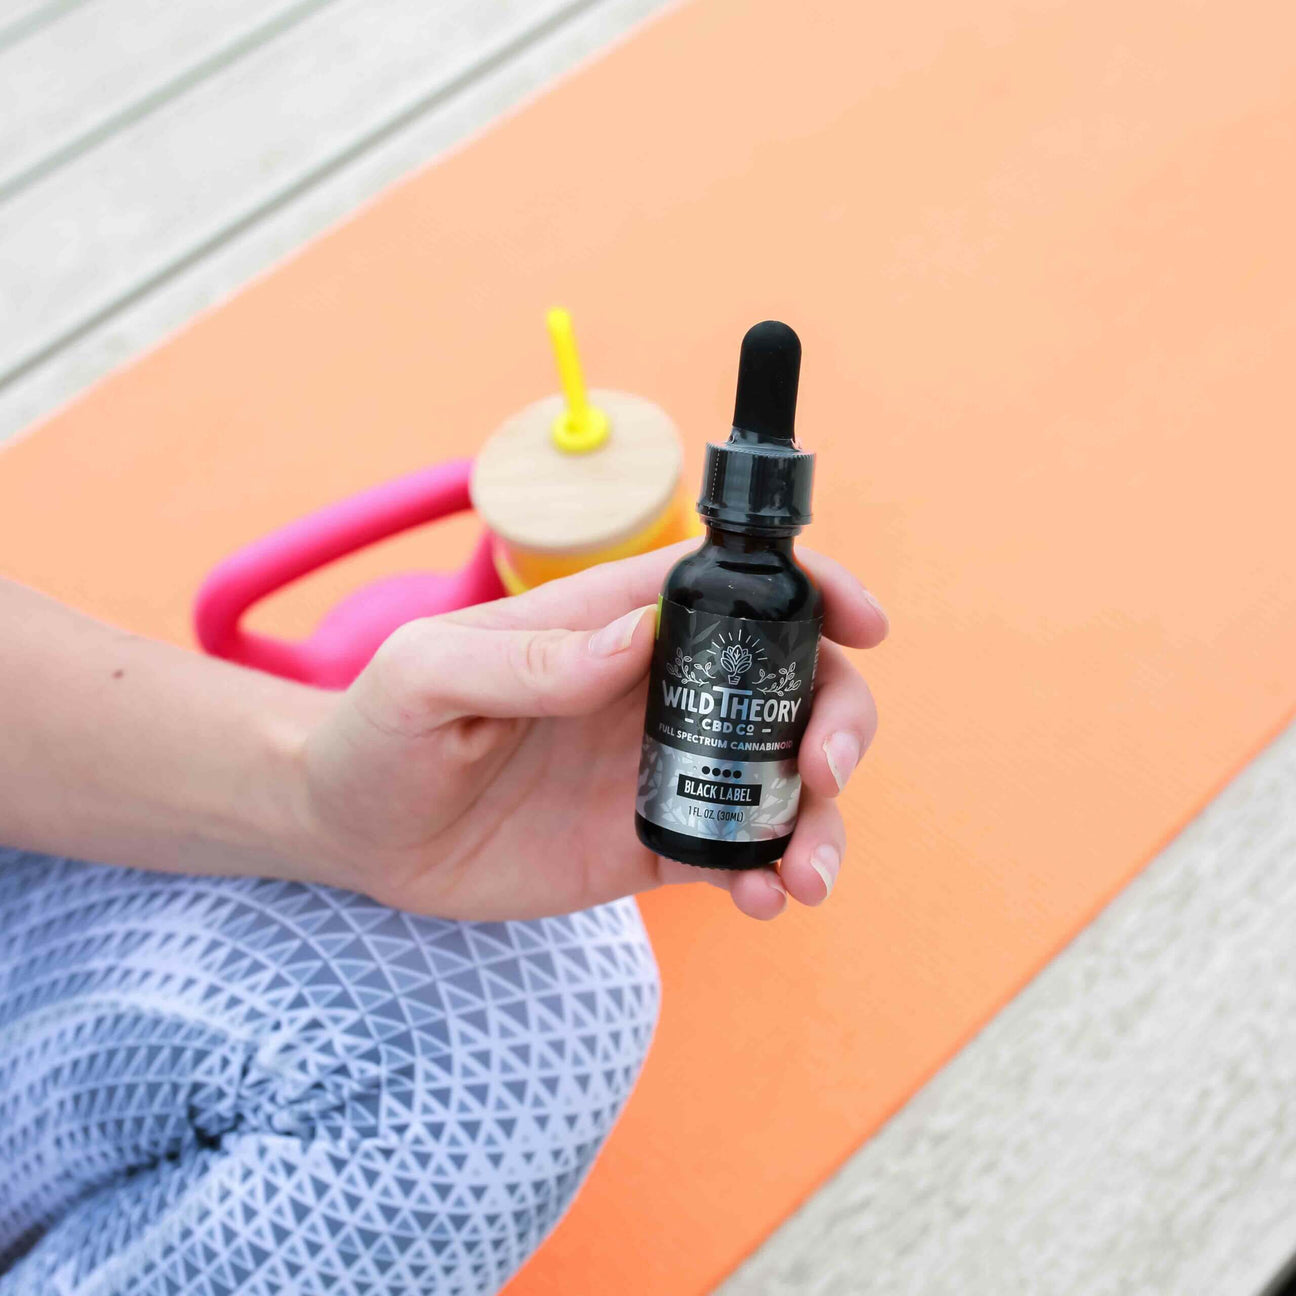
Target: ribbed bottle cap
(760, 478)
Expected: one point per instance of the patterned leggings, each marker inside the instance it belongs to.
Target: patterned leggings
(213, 1085)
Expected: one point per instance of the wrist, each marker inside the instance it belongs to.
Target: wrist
(274, 826)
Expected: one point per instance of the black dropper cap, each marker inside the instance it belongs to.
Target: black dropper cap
(760, 479)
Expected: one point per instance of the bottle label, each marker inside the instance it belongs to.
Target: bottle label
(728, 702)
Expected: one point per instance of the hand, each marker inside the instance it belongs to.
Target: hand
(484, 764)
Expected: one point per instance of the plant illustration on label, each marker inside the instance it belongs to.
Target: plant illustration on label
(682, 668)
(736, 657)
(778, 682)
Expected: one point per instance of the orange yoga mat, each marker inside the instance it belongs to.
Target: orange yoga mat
(1041, 256)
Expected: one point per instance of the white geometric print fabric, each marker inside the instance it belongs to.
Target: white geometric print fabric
(229, 1085)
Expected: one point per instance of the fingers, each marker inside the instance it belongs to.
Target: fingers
(587, 599)
(842, 724)
(437, 670)
(807, 872)
(758, 893)
(813, 858)
(852, 616)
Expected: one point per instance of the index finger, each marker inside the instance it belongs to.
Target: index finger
(592, 598)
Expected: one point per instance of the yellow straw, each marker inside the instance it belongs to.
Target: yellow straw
(581, 427)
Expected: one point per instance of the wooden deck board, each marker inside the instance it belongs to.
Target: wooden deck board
(156, 196)
(156, 296)
(20, 19)
(76, 83)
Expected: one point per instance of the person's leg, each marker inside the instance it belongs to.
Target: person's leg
(212, 1085)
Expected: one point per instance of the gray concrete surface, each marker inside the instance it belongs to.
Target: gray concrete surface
(1125, 1125)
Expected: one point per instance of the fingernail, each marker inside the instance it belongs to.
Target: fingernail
(616, 637)
(826, 861)
(843, 753)
(776, 884)
(878, 608)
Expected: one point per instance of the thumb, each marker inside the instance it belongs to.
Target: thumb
(435, 670)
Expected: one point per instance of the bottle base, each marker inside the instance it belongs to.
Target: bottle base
(709, 854)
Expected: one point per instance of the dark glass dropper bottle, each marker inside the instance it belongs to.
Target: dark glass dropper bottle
(738, 633)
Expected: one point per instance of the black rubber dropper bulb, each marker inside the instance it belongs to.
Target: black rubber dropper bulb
(769, 368)
(760, 479)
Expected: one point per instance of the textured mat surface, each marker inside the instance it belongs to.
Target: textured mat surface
(1041, 264)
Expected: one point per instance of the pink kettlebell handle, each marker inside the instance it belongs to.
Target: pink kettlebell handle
(347, 638)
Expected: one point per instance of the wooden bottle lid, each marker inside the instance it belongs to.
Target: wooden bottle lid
(538, 497)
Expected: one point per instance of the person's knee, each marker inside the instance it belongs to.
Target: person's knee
(526, 1037)
(419, 1087)
(547, 1025)
(390, 1019)
(474, 1069)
